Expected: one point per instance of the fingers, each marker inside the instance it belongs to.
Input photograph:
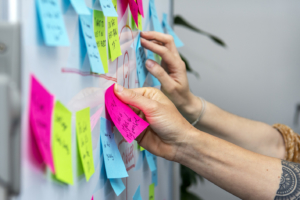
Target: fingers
(167, 40)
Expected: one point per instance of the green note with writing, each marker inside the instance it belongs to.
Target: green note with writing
(100, 36)
(151, 192)
(84, 140)
(62, 143)
(113, 36)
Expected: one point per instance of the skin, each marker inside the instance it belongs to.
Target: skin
(247, 165)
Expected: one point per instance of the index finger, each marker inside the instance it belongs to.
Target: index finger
(166, 39)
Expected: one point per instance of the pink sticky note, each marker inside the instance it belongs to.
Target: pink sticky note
(41, 108)
(128, 123)
(95, 117)
(92, 198)
(134, 10)
(122, 9)
(140, 5)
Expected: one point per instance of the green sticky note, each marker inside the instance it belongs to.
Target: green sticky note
(84, 140)
(151, 192)
(100, 36)
(113, 36)
(79, 163)
(62, 143)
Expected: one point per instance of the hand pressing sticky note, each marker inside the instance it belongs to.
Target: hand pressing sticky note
(62, 143)
(151, 191)
(114, 164)
(170, 31)
(84, 140)
(128, 123)
(41, 108)
(108, 8)
(52, 23)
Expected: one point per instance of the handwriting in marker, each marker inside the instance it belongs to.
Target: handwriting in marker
(84, 140)
(128, 123)
(140, 65)
(41, 108)
(62, 143)
(52, 23)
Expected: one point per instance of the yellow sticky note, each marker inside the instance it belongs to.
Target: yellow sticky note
(113, 36)
(151, 192)
(62, 143)
(84, 140)
(100, 36)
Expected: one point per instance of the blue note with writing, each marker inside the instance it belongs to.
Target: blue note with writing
(80, 7)
(118, 185)
(150, 161)
(108, 8)
(169, 29)
(140, 66)
(52, 23)
(137, 194)
(155, 20)
(154, 177)
(114, 164)
(86, 24)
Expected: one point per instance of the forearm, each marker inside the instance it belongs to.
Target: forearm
(243, 173)
(252, 135)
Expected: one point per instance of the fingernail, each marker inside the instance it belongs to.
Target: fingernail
(119, 88)
(150, 63)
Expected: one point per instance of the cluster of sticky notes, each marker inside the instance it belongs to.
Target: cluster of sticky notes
(125, 119)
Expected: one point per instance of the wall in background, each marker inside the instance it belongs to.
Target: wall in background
(258, 75)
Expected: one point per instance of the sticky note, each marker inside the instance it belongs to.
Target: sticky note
(150, 161)
(124, 5)
(108, 8)
(41, 108)
(155, 81)
(154, 177)
(155, 20)
(118, 185)
(140, 66)
(92, 198)
(137, 194)
(100, 36)
(86, 24)
(134, 10)
(169, 29)
(151, 191)
(62, 143)
(113, 36)
(79, 162)
(140, 5)
(128, 123)
(66, 5)
(140, 25)
(114, 165)
(84, 140)
(95, 117)
(80, 7)
(52, 23)
(140, 160)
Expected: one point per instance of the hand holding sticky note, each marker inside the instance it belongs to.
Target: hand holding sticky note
(126, 120)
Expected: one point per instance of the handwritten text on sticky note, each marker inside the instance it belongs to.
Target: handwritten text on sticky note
(128, 122)
(41, 108)
(62, 143)
(108, 8)
(84, 140)
(140, 66)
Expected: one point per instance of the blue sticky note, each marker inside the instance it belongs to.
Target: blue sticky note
(169, 29)
(80, 7)
(86, 24)
(150, 55)
(155, 81)
(118, 185)
(140, 66)
(155, 20)
(137, 194)
(108, 8)
(154, 177)
(66, 5)
(150, 161)
(140, 160)
(52, 23)
(114, 164)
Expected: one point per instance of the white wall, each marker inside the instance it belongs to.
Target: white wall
(258, 75)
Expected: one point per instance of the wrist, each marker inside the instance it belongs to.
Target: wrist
(192, 108)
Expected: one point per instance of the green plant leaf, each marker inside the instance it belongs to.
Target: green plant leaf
(178, 20)
(187, 66)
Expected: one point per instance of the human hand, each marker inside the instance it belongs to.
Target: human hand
(172, 74)
(167, 130)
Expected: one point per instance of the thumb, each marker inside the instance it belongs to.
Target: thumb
(158, 72)
(133, 98)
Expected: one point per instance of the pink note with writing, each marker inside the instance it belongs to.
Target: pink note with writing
(134, 11)
(95, 117)
(41, 108)
(140, 5)
(128, 123)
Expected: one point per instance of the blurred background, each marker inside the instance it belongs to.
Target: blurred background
(257, 75)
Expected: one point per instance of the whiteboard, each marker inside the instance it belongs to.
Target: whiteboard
(58, 70)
